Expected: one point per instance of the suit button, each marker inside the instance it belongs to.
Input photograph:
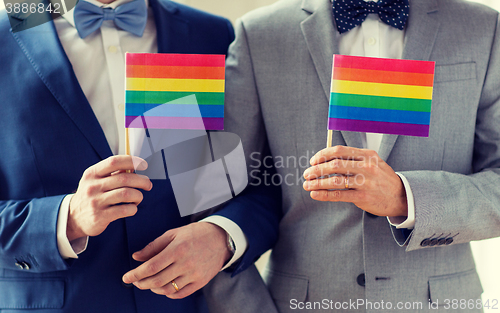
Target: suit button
(23, 265)
(433, 242)
(371, 215)
(441, 241)
(361, 280)
(449, 241)
(425, 242)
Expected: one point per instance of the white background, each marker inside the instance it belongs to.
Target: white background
(486, 252)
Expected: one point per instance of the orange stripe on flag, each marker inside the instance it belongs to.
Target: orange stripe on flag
(183, 72)
(383, 77)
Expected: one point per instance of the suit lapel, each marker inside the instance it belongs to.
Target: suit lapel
(43, 49)
(322, 41)
(171, 28)
(421, 33)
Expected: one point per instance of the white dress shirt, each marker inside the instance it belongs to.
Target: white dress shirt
(374, 38)
(99, 65)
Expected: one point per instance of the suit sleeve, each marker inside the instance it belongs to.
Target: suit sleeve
(463, 208)
(257, 210)
(22, 225)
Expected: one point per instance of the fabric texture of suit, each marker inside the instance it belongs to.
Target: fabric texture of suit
(278, 89)
(49, 136)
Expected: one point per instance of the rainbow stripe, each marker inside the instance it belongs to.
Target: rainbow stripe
(174, 91)
(378, 95)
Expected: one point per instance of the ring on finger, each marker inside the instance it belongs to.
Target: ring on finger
(175, 286)
(346, 181)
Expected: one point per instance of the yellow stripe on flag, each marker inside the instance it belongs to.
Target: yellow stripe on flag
(165, 84)
(383, 90)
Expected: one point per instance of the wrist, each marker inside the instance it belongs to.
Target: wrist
(73, 232)
(222, 243)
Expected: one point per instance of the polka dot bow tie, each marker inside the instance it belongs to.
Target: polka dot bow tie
(351, 13)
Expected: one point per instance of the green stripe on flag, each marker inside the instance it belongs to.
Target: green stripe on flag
(377, 102)
(160, 97)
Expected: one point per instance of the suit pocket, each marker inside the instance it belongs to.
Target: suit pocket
(31, 293)
(459, 286)
(285, 287)
(455, 72)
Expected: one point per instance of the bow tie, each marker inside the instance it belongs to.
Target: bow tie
(351, 13)
(131, 17)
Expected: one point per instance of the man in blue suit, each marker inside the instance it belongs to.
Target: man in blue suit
(65, 243)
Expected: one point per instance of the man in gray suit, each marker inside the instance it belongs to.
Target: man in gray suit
(393, 241)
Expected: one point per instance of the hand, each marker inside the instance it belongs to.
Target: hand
(191, 255)
(373, 185)
(106, 193)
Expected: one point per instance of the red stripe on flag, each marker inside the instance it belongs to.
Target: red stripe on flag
(381, 64)
(167, 59)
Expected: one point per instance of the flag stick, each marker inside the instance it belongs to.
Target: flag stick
(127, 145)
(329, 139)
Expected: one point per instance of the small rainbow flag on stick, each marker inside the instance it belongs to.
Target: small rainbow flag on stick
(174, 91)
(378, 95)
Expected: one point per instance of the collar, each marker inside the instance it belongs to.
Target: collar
(70, 18)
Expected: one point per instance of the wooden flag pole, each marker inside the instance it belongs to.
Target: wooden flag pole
(127, 145)
(329, 139)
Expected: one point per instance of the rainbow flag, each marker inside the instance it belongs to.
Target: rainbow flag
(378, 95)
(174, 91)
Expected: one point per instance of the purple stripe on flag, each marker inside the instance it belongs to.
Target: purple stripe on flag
(378, 127)
(163, 122)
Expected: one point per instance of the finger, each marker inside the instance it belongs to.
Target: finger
(336, 195)
(119, 211)
(341, 152)
(124, 179)
(153, 248)
(187, 290)
(168, 289)
(149, 268)
(335, 166)
(119, 163)
(333, 182)
(122, 195)
(161, 280)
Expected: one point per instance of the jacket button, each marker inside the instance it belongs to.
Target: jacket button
(361, 280)
(441, 241)
(449, 241)
(433, 242)
(425, 242)
(23, 265)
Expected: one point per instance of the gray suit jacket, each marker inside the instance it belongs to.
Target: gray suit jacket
(278, 85)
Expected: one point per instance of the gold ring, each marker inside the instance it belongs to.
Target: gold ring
(346, 180)
(175, 285)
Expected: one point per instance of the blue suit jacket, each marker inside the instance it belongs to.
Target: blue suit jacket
(49, 136)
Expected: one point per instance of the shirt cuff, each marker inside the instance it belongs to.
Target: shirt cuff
(239, 239)
(68, 250)
(405, 221)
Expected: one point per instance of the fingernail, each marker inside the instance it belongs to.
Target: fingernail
(126, 280)
(305, 185)
(314, 194)
(142, 166)
(307, 173)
